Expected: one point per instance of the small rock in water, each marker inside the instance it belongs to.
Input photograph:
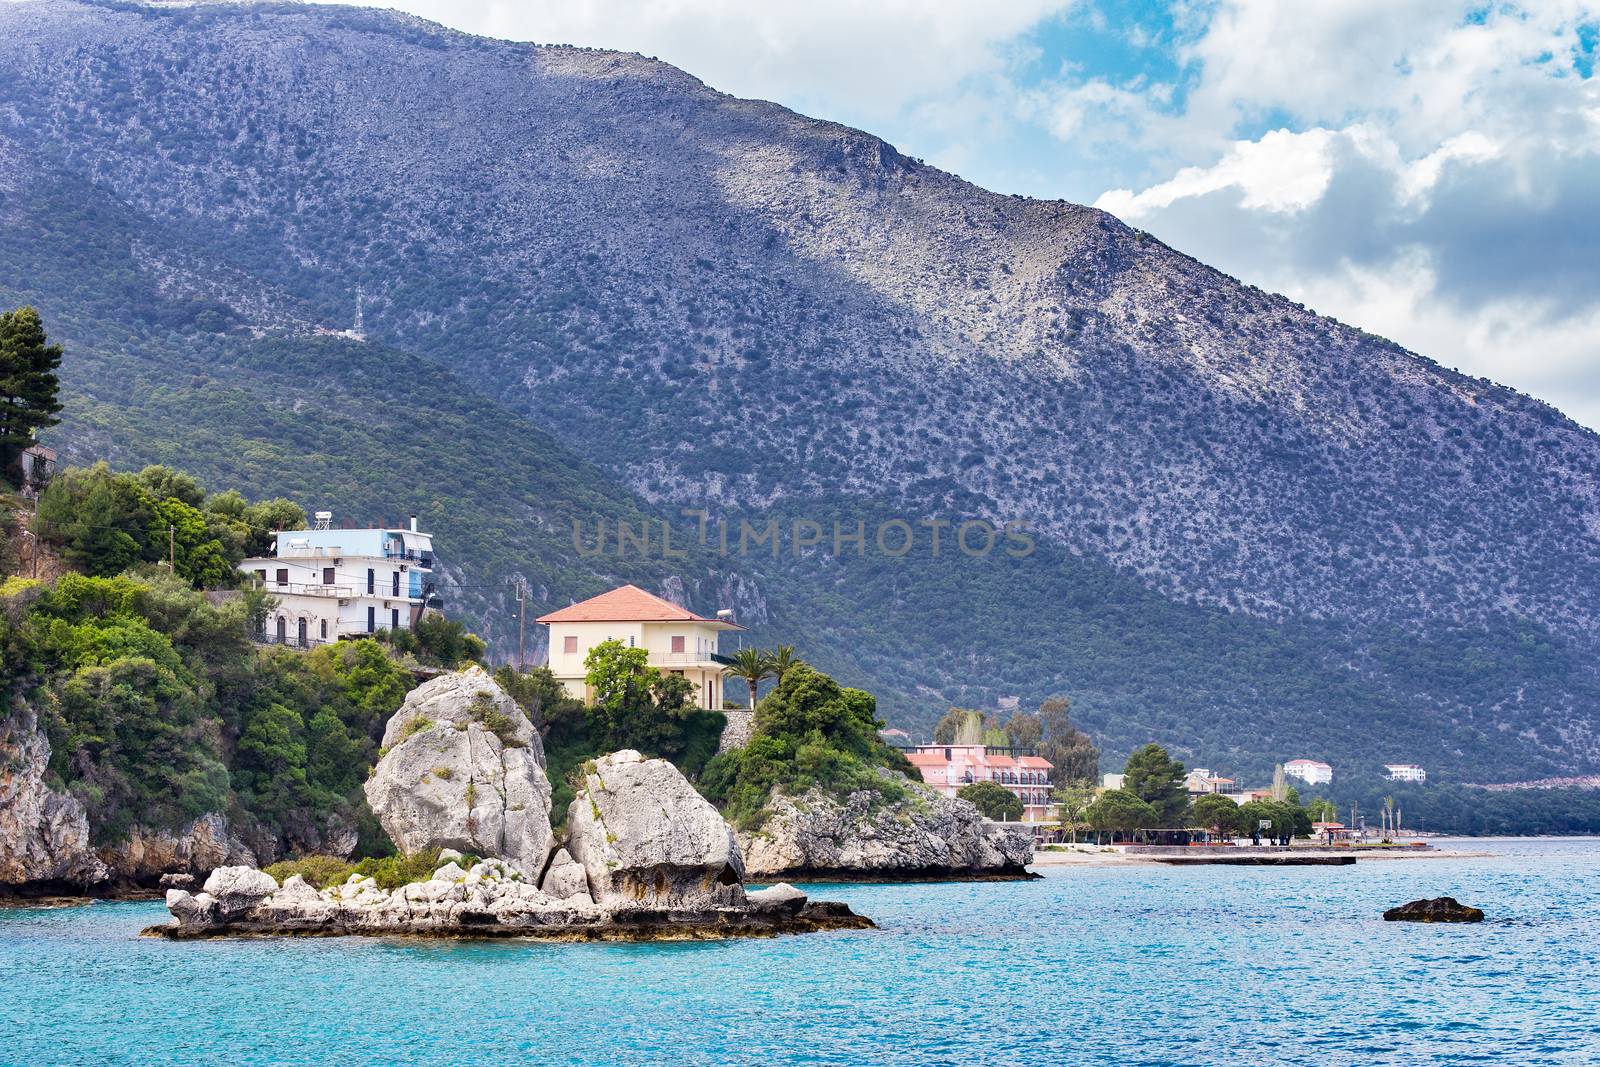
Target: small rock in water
(1438, 910)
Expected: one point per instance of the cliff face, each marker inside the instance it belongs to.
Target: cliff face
(44, 835)
(45, 841)
(924, 836)
(728, 306)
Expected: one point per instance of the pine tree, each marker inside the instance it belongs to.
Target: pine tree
(28, 384)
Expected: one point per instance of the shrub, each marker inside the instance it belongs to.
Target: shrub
(320, 871)
(392, 872)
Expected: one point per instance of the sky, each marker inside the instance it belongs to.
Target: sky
(1428, 170)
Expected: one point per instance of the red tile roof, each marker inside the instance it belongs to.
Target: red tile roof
(628, 604)
(926, 759)
(1036, 763)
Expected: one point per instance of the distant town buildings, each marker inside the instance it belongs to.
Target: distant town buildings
(1405, 772)
(678, 641)
(332, 583)
(895, 738)
(1309, 771)
(949, 767)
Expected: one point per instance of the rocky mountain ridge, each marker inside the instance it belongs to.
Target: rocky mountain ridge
(727, 306)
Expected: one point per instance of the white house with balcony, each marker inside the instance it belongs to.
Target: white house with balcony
(1309, 771)
(678, 641)
(329, 584)
(1405, 772)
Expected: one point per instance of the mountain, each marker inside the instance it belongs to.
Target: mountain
(592, 287)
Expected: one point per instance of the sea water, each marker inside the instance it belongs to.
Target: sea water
(1133, 964)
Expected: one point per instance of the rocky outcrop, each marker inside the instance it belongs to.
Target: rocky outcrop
(924, 836)
(1437, 910)
(566, 879)
(463, 768)
(144, 857)
(490, 899)
(643, 835)
(44, 834)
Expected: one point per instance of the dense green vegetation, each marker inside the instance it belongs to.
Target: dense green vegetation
(159, 709)
(105, 522)
(993, 799)
(390, 872)
(809, 732)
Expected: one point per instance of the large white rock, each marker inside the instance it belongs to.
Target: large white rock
(236, 890)
(565, 880)
(463, 768)
(644, 836)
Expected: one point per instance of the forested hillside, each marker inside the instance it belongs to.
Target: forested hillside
(594, 288)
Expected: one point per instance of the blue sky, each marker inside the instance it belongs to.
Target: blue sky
(1426, 169)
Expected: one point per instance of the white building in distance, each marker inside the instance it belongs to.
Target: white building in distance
(1309, 771)
(330, 583)
(1405, 772)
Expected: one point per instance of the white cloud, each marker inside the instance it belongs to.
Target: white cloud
(1434, 177)
(841, 58)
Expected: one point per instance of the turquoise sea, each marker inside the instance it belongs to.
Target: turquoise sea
(1107, 965)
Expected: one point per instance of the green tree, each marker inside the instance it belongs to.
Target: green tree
(1024, 730)
(1073, 756)
(1216, 813)
(1072, 801)
(29, 387)
(1157, 779)
(960, 726)
(1323, 810)
(751, 665)
(995, 801)
(1118, 809)
(780, 660)
(809, 732)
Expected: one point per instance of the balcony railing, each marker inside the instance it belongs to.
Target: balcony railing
(342, 591)
(688, 659)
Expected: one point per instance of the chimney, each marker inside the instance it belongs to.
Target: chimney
(413, 524)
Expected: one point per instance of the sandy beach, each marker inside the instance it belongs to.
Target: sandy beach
(1092, 856)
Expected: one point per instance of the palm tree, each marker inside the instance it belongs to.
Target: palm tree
(752, 665)
(780, 660)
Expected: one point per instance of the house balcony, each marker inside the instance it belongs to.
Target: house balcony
(710, 661)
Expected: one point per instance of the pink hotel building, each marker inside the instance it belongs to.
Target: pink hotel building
(949, 767)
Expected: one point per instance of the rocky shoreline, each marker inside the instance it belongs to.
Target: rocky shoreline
(489, 900)
(642, 857)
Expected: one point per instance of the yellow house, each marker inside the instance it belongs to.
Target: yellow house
(677, 640)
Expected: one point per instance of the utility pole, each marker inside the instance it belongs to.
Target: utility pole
(522, 625)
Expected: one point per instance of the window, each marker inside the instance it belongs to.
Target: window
(371, 588)
(396, 577)
(301, 634)
(394, 618)
(283, 575)
(283, 630)
(677, 644)
(324, 625)
(261, 576)
(372, 615)
(327, 576)
(569, 645)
